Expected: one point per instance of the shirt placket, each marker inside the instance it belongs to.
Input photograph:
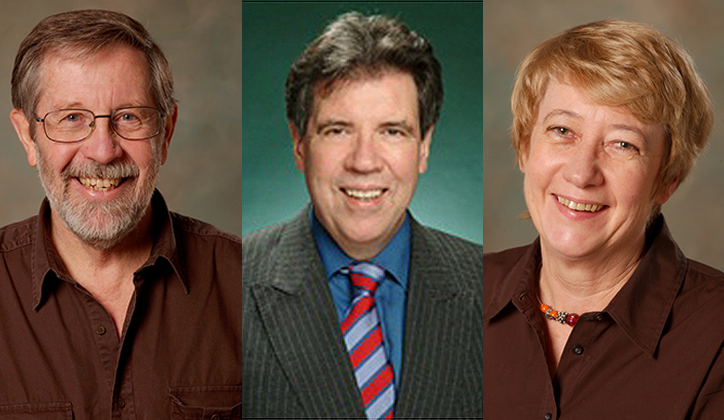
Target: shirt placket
(579, 353)
(116, 366)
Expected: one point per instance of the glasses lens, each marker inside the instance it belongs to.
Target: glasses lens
(68, 125)
(137, 123)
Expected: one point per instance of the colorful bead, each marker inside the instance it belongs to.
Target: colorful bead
(562, 317)
(559, 316)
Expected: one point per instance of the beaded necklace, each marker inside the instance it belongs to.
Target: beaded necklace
(552, 314)
(560, 316)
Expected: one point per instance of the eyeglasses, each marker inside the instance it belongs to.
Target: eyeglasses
(74, 125)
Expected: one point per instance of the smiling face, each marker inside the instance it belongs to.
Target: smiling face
(361, 158)
(100, 187)
(590, 176)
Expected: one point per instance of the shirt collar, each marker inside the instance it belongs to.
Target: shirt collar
(641, 308)
(394, 258)
(47, 263)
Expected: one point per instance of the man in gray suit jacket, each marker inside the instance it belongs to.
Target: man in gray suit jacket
(354, 309)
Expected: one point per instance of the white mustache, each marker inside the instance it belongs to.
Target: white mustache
(115, 169)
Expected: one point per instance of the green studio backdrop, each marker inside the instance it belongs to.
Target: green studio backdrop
(450, 195)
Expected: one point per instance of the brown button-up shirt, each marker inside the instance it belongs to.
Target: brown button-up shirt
(654, 353)
(179, 355)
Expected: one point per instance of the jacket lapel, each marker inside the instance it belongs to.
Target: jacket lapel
(439, 317)
(299, 316)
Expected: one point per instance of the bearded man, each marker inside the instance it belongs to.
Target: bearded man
(110, 305)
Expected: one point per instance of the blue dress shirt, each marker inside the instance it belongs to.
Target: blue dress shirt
(391, 294)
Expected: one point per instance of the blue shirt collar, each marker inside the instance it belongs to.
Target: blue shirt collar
(395, 257)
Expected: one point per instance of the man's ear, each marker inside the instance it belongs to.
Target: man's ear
(297, 146)
(424, 153)
(170, 121)
(22, 128)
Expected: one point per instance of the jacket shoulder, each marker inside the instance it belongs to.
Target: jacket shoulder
(259, 252)
(462, 251)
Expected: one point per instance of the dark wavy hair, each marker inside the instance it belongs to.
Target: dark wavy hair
(355, 46)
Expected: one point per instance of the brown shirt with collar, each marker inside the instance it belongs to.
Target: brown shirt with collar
(179, 355)
(654, 353)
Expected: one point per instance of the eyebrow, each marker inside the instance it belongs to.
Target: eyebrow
(564, 112)
(402, 124)
(567, 113)
(631, 128)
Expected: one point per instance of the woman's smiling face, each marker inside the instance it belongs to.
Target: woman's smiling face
(591, 174)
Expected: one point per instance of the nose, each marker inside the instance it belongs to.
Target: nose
(583, 166)
(103, 145)
(364, 156)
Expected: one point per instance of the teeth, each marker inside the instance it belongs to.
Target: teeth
(100, 184)
(363, 194)
(580, 206)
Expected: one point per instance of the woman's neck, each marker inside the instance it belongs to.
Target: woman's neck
(584, 285)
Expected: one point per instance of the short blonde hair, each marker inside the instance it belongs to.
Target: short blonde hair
(619, 63)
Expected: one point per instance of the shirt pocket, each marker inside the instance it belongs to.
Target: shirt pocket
(37, 410)
(205, 403)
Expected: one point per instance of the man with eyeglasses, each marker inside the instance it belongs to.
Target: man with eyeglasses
(110, 305)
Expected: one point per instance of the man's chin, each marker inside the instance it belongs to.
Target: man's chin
(101, 235)
(101, 227)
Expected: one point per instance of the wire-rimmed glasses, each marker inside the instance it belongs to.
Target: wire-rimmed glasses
(75, 125)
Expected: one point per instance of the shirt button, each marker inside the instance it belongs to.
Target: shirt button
(600, 317)
(120, 403)
(100, 330)
(215, 417)
(548, 416)
(577, 350)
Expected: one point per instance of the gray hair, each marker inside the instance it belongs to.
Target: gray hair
(83, 33)
(355, 46)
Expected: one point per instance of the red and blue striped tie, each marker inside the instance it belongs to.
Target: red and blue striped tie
(363, 337)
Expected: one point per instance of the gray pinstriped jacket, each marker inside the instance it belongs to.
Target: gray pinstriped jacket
(294, 362)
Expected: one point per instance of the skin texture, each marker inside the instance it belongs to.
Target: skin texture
(112, 78)
(599, 156)
(363, 136)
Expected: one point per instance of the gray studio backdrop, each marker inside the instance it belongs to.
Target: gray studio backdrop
(695, 213)
(449, 195)
(202, 40)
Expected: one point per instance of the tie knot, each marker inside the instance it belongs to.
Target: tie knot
(365, 275)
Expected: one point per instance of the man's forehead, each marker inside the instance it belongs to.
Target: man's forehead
(324, 89)
(86, 58)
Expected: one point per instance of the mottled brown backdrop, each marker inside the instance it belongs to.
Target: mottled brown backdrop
(695, 213)
(202, 40)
